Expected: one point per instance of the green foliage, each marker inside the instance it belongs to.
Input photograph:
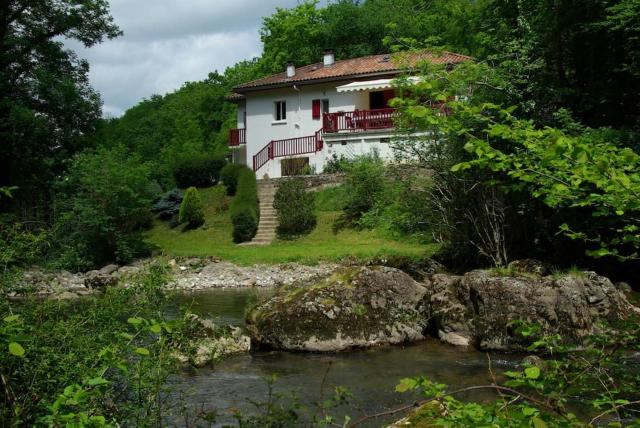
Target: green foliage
(229, 177)
(296, 209)
(191, 209)
(244, 209)
(541, 395)
(197, 169)
(498, 176)
(46, 104)
(69, 364)
(565, 172)
(102, 204)
(365, 182)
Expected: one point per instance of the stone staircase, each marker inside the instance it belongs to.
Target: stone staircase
(268, 216)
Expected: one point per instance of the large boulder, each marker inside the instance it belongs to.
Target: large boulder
(354, 307)
(480, 307)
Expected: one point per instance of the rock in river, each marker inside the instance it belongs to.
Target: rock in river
(354, 307)
(481, 307)
(367, 306)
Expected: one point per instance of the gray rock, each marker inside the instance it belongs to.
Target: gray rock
(337, 314)
(109, 269)
(95, 280)
(66, 295)
(531, 266)
(482, 307)
(625, 288)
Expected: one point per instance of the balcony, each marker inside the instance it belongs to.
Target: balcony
(237, 137)
(359, 120)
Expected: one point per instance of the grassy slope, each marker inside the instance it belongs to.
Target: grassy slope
(214, 239)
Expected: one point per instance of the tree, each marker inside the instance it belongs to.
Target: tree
(46, 104)
(102, 205)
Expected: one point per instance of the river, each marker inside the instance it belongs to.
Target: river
(370, 375)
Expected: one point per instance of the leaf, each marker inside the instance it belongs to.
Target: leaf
(16, 349)
(11, 318)
(134, 321)
(418, 111)
(97, 381)
(406, 384)
(156, 328)
(538, 423)
(142, 351)
(532, 372)
(529, 411)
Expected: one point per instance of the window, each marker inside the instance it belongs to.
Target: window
(280, 111)
(325, 106)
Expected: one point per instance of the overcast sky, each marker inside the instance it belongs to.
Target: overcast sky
(169, 42)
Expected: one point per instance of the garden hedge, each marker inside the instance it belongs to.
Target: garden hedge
(244, 209)
(229, 177)
(198, 169)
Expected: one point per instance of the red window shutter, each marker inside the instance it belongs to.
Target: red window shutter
(315, 109)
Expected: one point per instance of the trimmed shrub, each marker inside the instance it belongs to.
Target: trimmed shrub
(229, 177)
(244, 209)
(191, 209)
(296, 210)
(198, 169)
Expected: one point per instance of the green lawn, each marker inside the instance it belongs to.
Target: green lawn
(214, 239)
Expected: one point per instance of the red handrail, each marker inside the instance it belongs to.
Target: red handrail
(237, 137)
(288, 147)
(359, 120)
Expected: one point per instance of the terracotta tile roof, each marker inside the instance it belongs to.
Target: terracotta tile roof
(234, 96)
(355, 67)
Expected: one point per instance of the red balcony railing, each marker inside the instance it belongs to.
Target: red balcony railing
(237, 137)
(288, 147)
(359, 120)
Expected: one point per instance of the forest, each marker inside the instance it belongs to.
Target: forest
(538, 157)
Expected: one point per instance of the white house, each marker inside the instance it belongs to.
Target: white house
(305, 116)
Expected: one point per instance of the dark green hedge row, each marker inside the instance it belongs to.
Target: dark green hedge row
(229, 177)
(244, 209)
(198, 170)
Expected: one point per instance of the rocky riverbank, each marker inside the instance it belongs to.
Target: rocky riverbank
(190, 274)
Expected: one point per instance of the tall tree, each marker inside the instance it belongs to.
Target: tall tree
(46, 104)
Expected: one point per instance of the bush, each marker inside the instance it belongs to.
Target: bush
(101, 207)
(198, 169)
(296, 210)
(229, 177)
(244, 208)
(104, 357)
(364, 182)
(168, 206)
(191, 209)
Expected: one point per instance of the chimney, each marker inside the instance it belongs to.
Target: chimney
(329, 58)
(291, 69)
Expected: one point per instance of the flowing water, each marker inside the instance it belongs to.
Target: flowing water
(370, 375)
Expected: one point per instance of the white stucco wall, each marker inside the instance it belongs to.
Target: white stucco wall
(262, 127)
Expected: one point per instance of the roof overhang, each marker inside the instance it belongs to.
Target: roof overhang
(245, 89)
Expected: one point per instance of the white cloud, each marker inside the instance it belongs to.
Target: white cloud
(168, 42)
